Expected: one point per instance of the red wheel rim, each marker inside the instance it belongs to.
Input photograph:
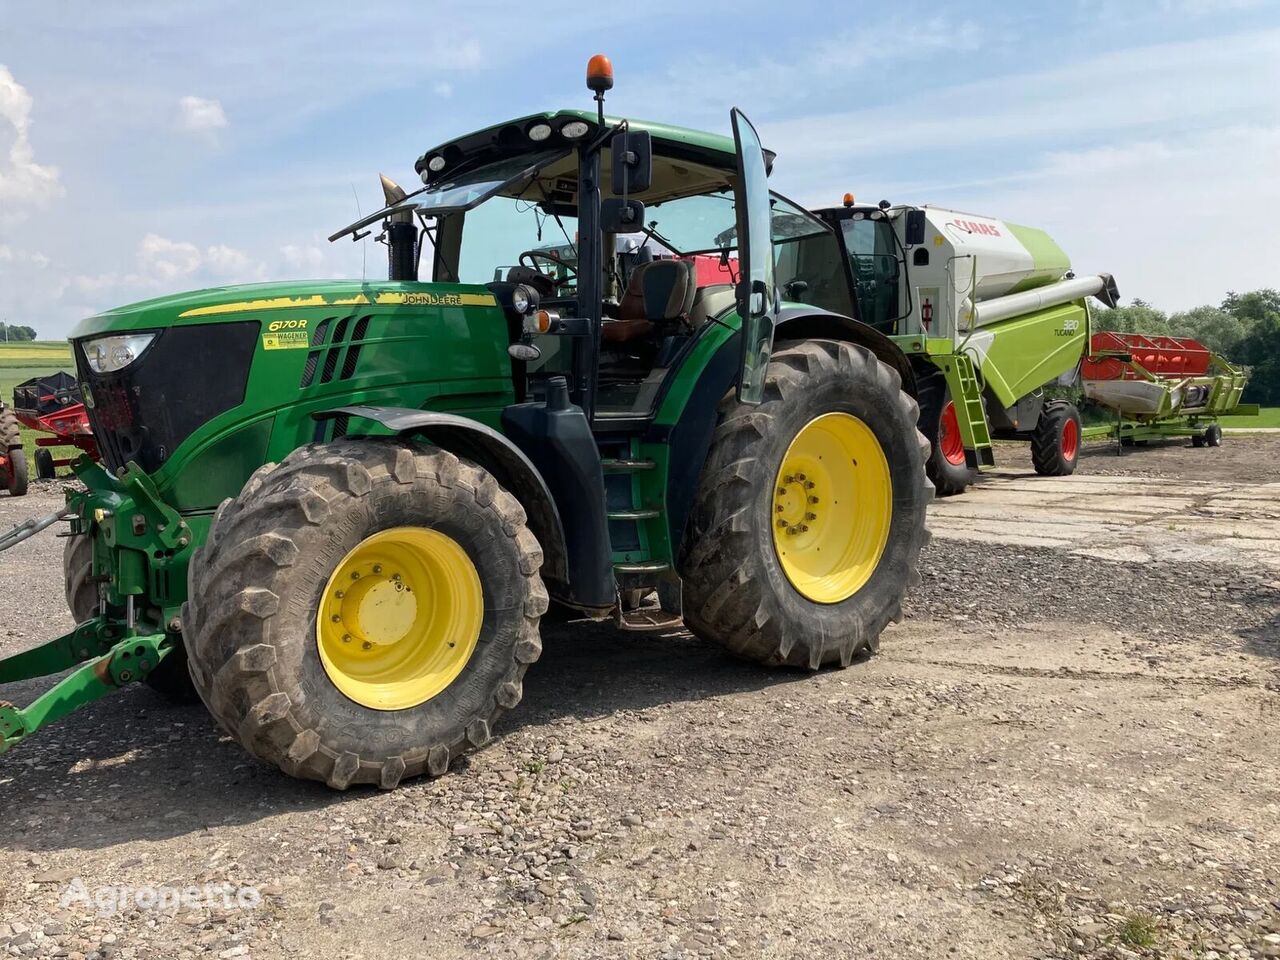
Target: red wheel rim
(949, 441)
(1070, 439)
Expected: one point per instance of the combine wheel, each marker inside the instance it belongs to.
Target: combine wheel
(170, 679)
(365, 611)
(44, 464)
(938, 422)
(809, 518)
(1055, 444)
(14, 473)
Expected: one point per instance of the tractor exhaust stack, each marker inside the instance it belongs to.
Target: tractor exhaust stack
(402, 235)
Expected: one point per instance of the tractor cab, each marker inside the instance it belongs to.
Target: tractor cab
(611, 245)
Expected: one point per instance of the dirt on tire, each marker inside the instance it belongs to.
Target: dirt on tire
(257, 583)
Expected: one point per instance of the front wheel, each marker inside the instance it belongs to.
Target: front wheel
(940, 425)
(1055, 444)
(365, 611)
(810, 512)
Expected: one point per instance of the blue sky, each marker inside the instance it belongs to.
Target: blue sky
(151, 147)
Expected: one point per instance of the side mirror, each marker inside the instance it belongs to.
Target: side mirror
(621, 216)
(915, 228)
(632, 161)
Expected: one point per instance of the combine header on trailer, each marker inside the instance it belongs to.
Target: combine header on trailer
(52, 404)
(1162, 387)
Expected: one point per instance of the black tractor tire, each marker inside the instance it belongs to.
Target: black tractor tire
(45, 469)
(170, 678)
(256, 585)
(736, 592)
(1213, 435)
(15, 477)
(1055, 443)
(1200, 439)
(933, 395)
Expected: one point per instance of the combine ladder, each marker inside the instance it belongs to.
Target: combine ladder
(962, 380)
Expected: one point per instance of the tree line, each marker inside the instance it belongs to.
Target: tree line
(15, 332)
(1245, 329)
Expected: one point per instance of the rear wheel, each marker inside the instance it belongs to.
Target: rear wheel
(365, 612)
(940, 425)
(44, 464)
(170, 677)
(1055, 444)
(1213, 435)
(809, 519)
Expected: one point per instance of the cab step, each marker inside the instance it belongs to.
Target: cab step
(619, 465)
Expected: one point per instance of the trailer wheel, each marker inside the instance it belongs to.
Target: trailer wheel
(15, 472)
(810, 513)
(308, 640)
(170, 678)
(1213, 436)
(946, 465)
(1055, 444)
(44, 464)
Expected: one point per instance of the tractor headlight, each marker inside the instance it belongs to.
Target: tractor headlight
(523, 298)
(109, 354)
(574, 130)
(539, 132)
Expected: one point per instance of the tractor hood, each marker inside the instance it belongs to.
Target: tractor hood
(235, 302)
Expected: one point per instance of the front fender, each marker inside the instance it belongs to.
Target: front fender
(491, 450)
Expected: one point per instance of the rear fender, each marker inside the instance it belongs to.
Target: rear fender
(802, 322)
(489, 449)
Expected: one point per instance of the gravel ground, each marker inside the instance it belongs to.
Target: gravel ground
(1053, 756)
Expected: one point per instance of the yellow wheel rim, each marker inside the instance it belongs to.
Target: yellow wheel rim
(399, 618)
(832, 505)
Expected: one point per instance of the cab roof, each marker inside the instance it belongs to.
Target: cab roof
(709, 147)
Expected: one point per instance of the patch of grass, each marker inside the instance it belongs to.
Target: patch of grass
(1267, 417)
(535, 766)
(1138, 931)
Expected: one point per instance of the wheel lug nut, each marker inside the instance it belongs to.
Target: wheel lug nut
(338, 594)
(788, 478)
(811, 516)
(346, 638)
(366, 645)
(810, 485)
(813, 499)
(395, 576)
(335, 618)
(377, 568)
(800, 477)
(782, 523)
(355, 574)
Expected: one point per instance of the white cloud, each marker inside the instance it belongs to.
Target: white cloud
(442, 88)
(165, 259)
(200, 116)
(302, 258)
(22, 180)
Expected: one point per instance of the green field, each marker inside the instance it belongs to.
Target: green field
(22, 361)
(1267, 417)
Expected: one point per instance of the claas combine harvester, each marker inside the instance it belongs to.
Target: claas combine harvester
(337, 510)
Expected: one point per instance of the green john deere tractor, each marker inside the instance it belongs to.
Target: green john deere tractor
(338, 509)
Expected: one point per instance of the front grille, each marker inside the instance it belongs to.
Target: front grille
(185, 378)
(340, 355)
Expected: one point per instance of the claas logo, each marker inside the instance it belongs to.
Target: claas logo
(973, 226)
(287, 325)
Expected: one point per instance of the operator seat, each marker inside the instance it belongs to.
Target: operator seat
(658, 292)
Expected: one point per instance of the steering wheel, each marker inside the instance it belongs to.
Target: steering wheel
(535, 255)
